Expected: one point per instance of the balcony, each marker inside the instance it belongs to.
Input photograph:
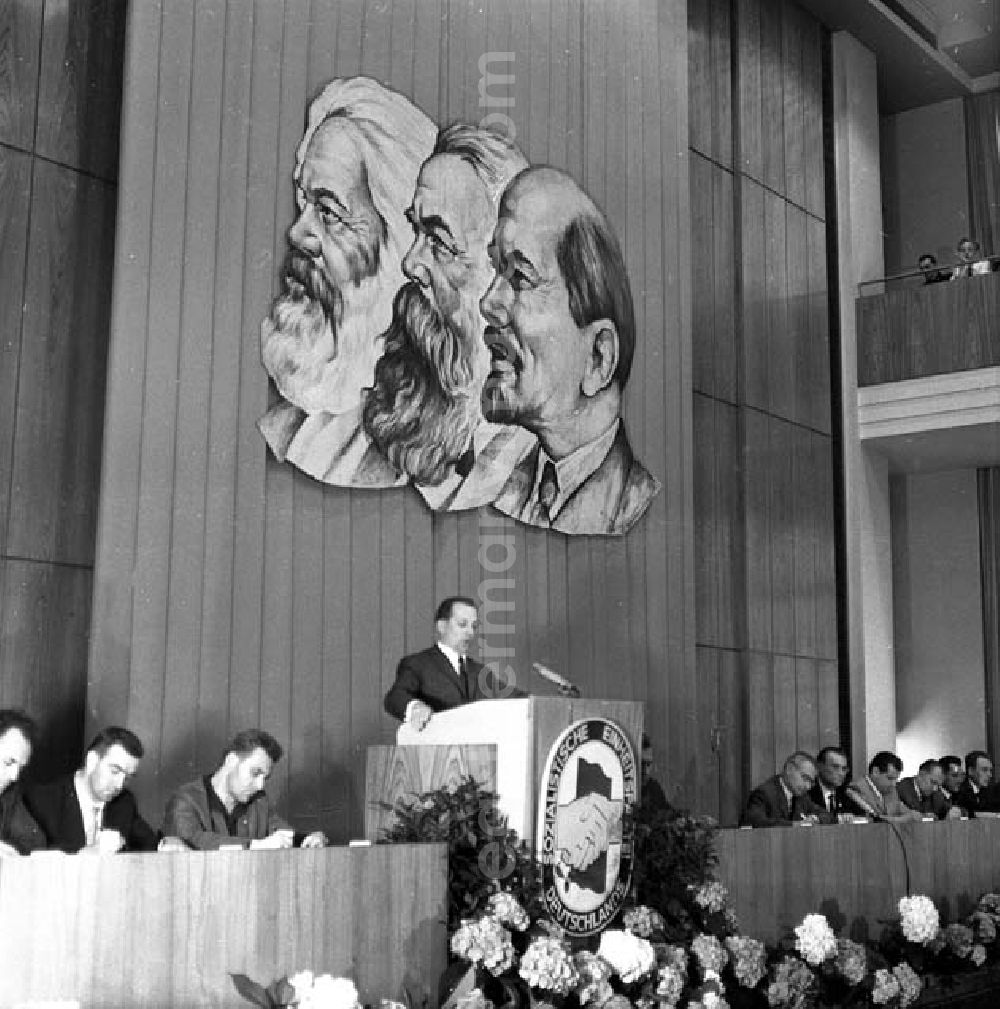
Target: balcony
(929, 374)
(932, 329)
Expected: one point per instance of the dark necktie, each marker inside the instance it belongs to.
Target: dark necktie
(548, 491)
(831, 803)
(463, 675)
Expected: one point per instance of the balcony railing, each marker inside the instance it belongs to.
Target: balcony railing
(932, 329)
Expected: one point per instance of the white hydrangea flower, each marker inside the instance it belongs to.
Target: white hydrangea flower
(814, 939)
(918, 918)
(631, 956)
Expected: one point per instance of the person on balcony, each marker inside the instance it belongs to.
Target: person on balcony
(929, 268)
(971, 261)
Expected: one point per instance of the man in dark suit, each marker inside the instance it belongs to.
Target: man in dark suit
(19, 833)
(91, 809)
(783, 800)
(922, 791)
(560, 328)
(444, 676)
(830, 790)
(953, 777)
(977, 793)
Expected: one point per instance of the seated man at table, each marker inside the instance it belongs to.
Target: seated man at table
(830, 790)
(953, 777)
(230, 806)
(977, 793)
(783, 800)
(922, 792)
(19, 833)
(876, 794)
(91, 809)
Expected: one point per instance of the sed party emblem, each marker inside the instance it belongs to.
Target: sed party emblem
(583, 843)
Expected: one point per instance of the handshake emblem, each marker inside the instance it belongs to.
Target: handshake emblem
(585, 828)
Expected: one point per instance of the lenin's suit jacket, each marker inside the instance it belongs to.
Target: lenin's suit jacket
(768, 807)
(428, 676)
(934, 804)
(57, 811)
(609, 502)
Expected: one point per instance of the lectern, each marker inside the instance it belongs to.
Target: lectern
(522, 742)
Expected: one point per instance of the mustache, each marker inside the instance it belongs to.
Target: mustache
(305, 280)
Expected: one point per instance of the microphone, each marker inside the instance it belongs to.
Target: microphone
(564, 685)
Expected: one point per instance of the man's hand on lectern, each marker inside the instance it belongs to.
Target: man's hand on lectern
(418, 715)
(584, 828)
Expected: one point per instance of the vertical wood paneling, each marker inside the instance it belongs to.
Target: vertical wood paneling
(710, 81)
(314, 593)
(57, 234)
(15, 197)
(145, 710)
(44, 621)
(753, 284)
(772, 95)
(764, 515)
(61, 370)
(812, 114)
(756, 448)
(817, 375)
(20, 34)
(80, 91)
(793, 117)
(780, 348)
(220, 532)
(118, 520)
(750, 158)
(187, 543)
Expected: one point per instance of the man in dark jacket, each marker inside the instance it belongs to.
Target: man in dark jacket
(19, 833)
(922, 792)
(783, 800)
(230, 806)
(91, 809)
(445, 675)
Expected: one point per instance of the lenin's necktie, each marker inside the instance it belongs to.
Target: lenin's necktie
(548, 491)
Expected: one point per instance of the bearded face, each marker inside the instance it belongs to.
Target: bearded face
(424, 406)
(322, 336)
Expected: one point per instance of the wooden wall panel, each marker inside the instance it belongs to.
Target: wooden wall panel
(764, 519)
(44, 622)
(912, 333)
(301, 599)
(772, 105)
(15, 197)
(750, 153)
(713, 280)
(20, 35)
(79, 97)
(719, 528)
(57, 235)
(61, 375)
(710, 87)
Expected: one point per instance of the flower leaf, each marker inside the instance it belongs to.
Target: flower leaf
(252, 991)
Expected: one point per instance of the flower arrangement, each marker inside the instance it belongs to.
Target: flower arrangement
(678, 944)
(304, 990)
